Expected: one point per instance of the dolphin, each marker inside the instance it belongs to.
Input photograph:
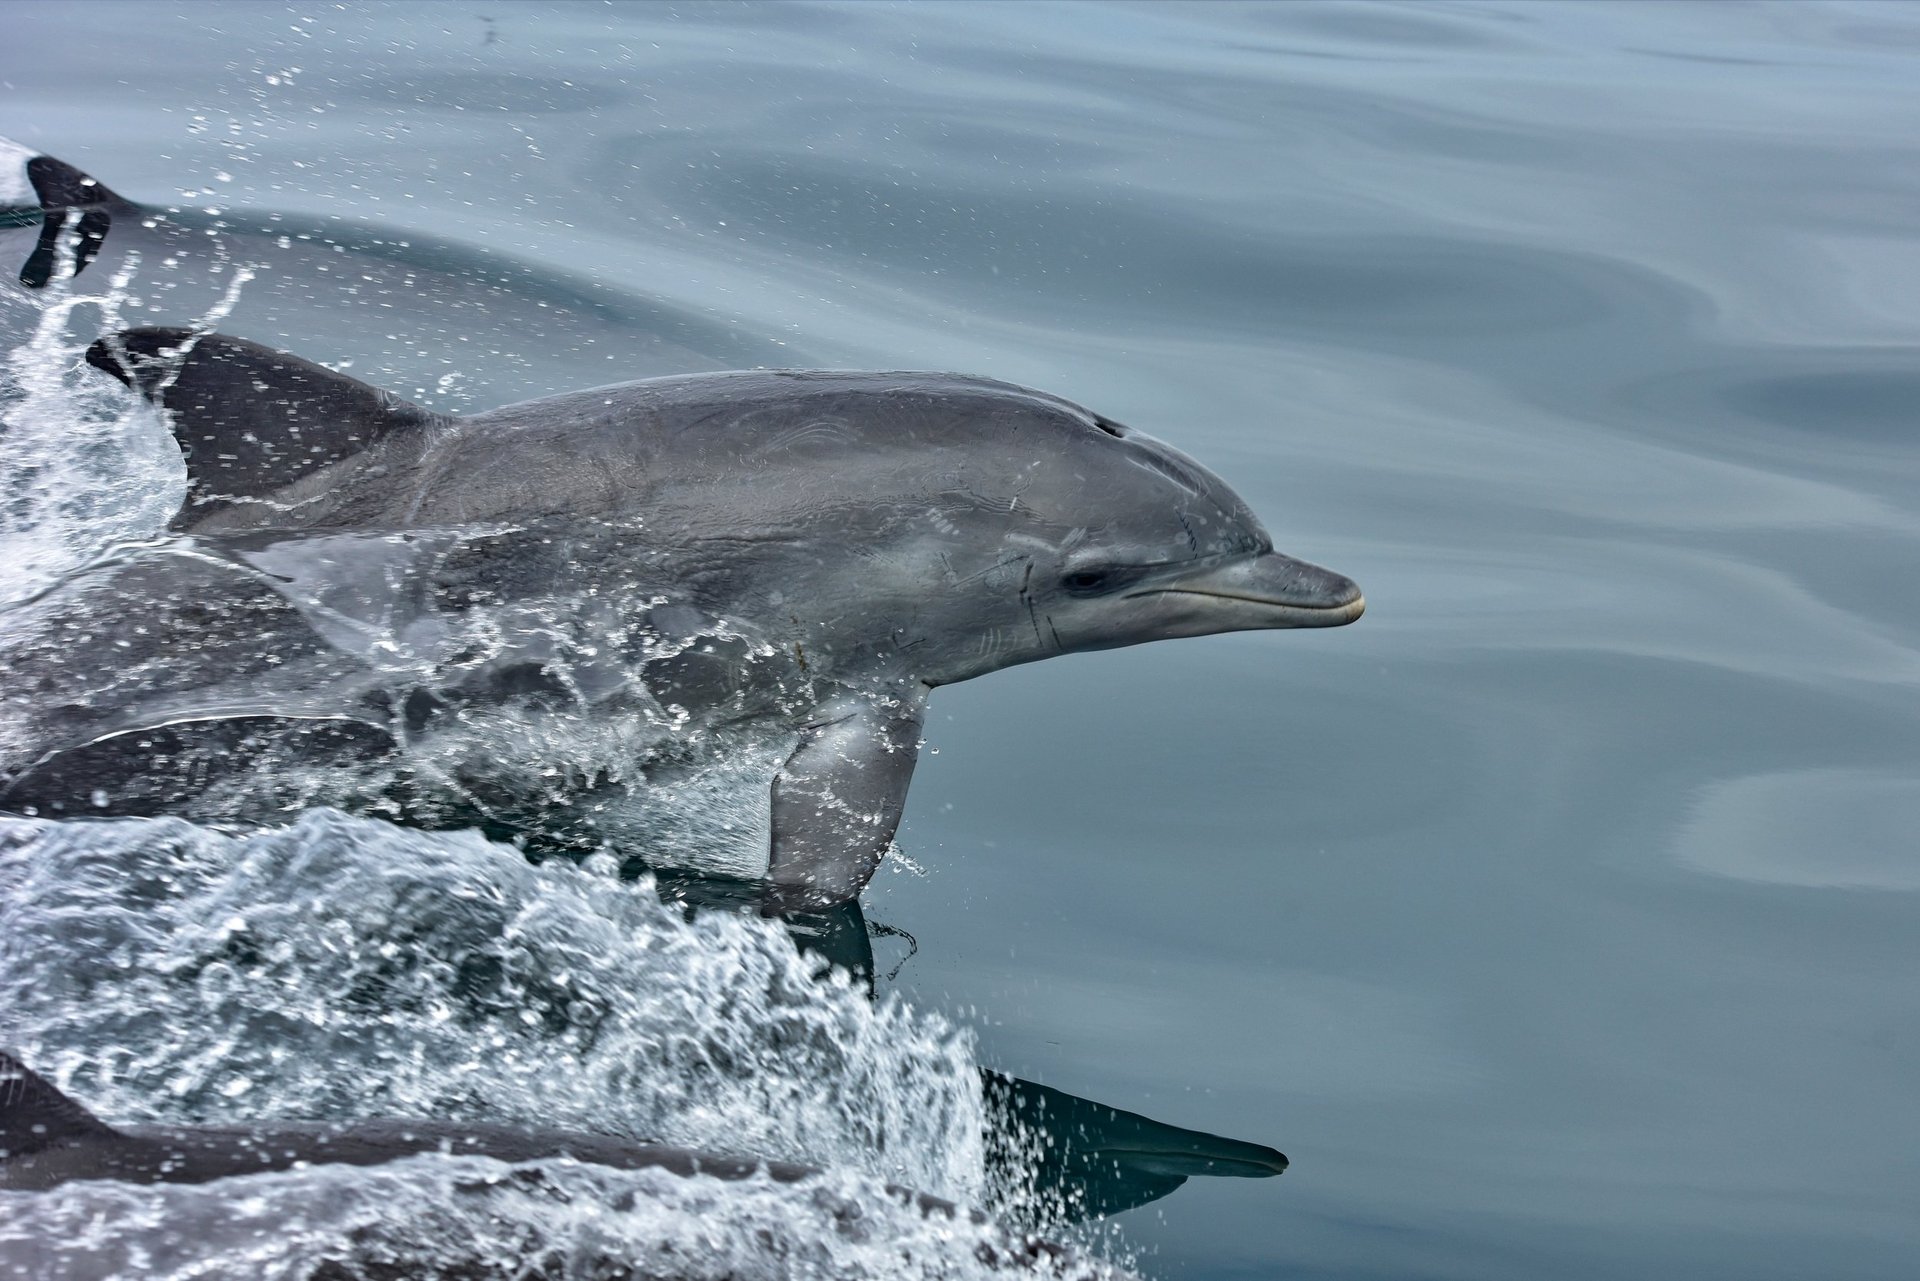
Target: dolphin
(455, 313)
(554, 614)
(49, 1140)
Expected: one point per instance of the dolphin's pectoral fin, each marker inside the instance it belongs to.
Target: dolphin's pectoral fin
(249, 419)
(838, 799)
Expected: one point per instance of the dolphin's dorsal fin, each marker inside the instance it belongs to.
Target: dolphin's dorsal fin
(34, 1116)
(250, 420)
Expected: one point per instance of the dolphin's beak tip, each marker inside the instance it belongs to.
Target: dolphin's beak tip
(1345, 602)
(1269, 1163)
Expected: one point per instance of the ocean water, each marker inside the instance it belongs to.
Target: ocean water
(1556, 919)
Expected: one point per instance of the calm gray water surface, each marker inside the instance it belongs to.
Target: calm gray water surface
(1558, 919)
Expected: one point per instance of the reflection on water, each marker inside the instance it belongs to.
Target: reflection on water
(1558, 916)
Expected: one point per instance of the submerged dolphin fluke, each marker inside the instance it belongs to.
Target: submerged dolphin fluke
(29, 180)
(36, 188)
(1079, 1159)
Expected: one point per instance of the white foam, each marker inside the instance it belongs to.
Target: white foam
(342, 967)
(441, 1215)
(15, 191)
(89, 464)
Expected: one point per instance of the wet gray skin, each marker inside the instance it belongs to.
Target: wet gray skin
(48, 1139)
(678, 573)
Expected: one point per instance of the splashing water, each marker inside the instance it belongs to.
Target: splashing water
(477, 1219)
(343, 967)
(88, 463)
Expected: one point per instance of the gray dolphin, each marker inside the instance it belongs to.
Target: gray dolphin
(48, 1140)
(561, 612)
(456, 312)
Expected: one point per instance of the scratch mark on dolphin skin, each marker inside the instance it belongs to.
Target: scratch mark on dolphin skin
(1057, 642)
(1192, 537)
(827, 429)
(1167, 467)
(996, 565)
(1033, 619)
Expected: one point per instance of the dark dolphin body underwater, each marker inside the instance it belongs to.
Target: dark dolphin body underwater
(549, 617)
(48, 1139)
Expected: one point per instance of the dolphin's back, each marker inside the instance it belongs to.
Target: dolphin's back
(47, 1139)
(35, 1117)
(623, 450)
(717, 419)
(275, 442)
(203, 1154)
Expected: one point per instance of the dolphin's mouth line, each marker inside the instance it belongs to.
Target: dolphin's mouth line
(1354, 606)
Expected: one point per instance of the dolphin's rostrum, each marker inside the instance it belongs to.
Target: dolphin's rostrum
(684, 571)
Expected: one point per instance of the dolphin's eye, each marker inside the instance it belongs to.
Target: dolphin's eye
(1097, 580)
(1085, 582)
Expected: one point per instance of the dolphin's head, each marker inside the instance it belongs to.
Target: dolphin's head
(1051, 529)
(1150, 546)
(938, 527)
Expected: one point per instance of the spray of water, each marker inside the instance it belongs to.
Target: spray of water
(343, 968)
(480, 1220)
(88, 464)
